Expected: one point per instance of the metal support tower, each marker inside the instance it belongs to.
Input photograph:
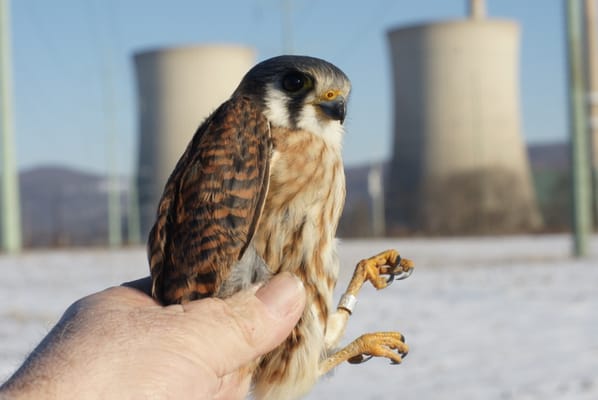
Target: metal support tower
(580, 150)
(592, 90)
(11, 213)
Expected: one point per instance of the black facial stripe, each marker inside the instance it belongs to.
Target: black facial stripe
(294, 106)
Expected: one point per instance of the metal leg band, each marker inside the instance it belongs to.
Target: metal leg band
(347, 302)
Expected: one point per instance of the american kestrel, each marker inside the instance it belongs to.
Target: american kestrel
(260, 190)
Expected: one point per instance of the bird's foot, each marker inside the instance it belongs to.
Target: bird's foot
(382, 269)
(389, 345)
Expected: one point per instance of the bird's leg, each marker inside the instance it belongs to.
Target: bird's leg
(380, 344)
(381, 270)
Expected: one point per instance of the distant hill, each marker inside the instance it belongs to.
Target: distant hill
(549, 156)
(63, 206)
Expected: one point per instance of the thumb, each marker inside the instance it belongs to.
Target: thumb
(250, 323)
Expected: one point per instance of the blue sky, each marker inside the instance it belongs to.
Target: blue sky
(72, 64)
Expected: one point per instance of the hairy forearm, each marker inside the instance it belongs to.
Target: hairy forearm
(60, 364)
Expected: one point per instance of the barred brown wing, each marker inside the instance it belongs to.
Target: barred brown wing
(211, 204)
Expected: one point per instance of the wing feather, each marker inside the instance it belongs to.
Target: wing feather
(211, 204)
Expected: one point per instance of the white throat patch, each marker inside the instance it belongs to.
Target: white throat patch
(329, 130)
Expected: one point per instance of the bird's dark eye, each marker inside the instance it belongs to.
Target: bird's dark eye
(295, 81)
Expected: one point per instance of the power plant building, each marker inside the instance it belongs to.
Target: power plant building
(459, 162)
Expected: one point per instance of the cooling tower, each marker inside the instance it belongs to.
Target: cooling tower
(177, 89)
(459, 163)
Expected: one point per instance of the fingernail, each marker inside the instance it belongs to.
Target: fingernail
(282, 294)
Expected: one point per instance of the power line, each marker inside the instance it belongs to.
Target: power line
(109, 111)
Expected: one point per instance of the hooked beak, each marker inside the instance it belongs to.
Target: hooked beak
(335, 109)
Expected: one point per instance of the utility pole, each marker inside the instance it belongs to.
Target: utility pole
(133, 222)
(377, 199)
(580, 163)
(114, 184)
(287, 26)
(11, 213)
(592, 90)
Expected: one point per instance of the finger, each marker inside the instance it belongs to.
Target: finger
(246, 325)
(143, 284)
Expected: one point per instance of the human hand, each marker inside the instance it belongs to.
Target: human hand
(120, 343)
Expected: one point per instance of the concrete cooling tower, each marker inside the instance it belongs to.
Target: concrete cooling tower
(459, 163)
(177, 89)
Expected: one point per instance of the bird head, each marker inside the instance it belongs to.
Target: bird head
(300, 92)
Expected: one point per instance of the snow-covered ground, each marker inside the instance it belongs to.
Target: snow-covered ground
(486, 318)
